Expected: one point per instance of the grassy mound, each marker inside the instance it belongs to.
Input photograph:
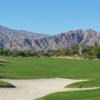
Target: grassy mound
(85, 84)
(6, 85)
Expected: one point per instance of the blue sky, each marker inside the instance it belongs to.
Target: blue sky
(50, 16)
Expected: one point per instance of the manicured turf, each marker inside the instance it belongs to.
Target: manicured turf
(75, 95)
(31, 68)
(85, 84)
(6, 84)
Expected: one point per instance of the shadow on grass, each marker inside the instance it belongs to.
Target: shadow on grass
(10, 86)
(1, 65)
(1, 61)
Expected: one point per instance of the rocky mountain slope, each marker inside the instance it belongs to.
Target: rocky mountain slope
(24, 40)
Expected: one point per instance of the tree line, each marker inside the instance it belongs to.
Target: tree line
(89, 52)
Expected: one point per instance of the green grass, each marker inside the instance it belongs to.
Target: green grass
(85, 84)
(33, 68)
(6, 84)
(75, 95)
(30, 68)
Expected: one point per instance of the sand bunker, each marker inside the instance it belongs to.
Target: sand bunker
(32, 89)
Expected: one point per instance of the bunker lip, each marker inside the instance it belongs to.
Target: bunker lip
(4, 84)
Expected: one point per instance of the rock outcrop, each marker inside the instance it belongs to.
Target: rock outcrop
(24, 40)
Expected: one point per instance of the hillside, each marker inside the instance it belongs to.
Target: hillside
(24, 40)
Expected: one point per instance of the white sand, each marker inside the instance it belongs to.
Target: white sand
(32, 89)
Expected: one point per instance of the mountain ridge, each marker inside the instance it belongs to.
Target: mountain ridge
(23, 40)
